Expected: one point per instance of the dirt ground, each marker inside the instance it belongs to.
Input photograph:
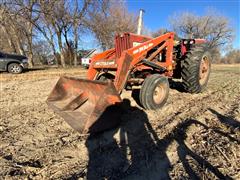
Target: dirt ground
(192, 136)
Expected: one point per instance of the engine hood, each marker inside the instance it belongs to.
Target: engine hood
(15, 56)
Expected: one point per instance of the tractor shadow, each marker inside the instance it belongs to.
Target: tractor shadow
(133, 150)
(129, 151)
(135, 95)
(177, 85)
(226, 120)
(184, 151)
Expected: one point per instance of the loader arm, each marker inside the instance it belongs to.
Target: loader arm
(140, 51)
(132, 57)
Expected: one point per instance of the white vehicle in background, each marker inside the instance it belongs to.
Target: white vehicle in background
(86, 60)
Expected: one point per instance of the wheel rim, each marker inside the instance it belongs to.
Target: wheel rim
(158, 94)
(15, 69)
(204, 70)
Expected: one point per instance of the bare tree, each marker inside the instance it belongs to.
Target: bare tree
(47, 32)
(109, 18)
(159, 32)
(24, 24)
(55, 14)
(79, 12)
(18, 17)
(213, 26)
(42, 52)
(231, 57)
(9, 39)
(8, 27)
(26, 11)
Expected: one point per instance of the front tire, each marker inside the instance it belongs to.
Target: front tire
(154, 92)
(15, 68)
(196, 70)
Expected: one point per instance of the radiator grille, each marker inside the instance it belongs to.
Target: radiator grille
(122, 42)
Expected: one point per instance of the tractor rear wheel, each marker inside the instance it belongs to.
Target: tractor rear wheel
(196, 70)
(154, 92)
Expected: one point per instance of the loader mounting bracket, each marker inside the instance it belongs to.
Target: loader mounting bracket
(154, 65)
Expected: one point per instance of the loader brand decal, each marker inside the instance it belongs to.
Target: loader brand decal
(136, 44)
(104, 63)
(142, 48)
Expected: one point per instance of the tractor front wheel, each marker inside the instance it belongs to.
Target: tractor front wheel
(154, 92)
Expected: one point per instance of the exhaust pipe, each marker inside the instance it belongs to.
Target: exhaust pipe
(140, 22)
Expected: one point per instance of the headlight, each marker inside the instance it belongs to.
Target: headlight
(24, 60)
(191, 42)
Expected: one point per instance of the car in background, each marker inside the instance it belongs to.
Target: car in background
(13, 63)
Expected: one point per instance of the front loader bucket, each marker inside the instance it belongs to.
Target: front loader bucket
(88, 106)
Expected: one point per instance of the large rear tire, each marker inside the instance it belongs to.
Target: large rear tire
(196, 69)
(154, 92)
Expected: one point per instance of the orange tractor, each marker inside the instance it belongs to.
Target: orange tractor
(91, 105)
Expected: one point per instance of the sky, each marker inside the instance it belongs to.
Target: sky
(157, 12)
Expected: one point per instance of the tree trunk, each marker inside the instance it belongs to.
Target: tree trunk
(75, 58)
(30, 35)
(62, 59)
(30, 46)
(20, 48)
(75, 45)
(54, 53)
(30, 59)
(51, 42)
(18, 42)
(9, 39)
(56, 59)
(61, 49)
(71, 56)
(30, 53)
(69, 48)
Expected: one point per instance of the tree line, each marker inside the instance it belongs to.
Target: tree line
(30, 27)
(212, 26)
(38, 28)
